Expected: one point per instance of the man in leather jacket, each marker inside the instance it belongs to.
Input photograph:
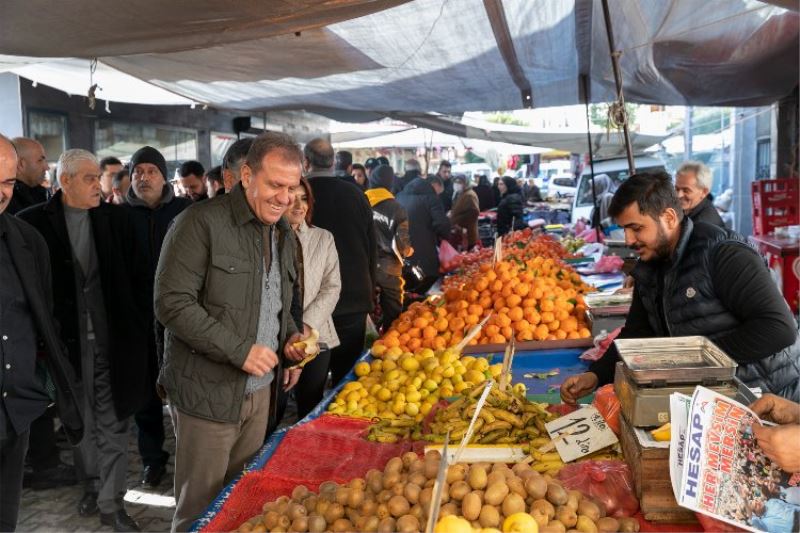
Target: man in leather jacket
(698, 279)
(394, 244)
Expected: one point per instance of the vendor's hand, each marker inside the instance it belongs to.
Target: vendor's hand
(410, 251)
(260, 360)
(576, 387)
(780, 444)
(290, 378)
(628, 282)
(777, 409)
(296, 354)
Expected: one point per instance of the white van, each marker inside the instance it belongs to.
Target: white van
(617, 170)
(470, 170)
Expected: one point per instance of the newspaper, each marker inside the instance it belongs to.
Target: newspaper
(679, 407)
(725, 474)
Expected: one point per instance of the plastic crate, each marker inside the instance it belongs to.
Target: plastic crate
(775, 204)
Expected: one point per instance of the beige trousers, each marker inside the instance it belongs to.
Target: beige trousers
(209, 454)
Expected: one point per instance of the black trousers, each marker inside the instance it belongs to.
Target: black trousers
(351, 330)
(311, 387)
(150, 434)
(391, 299)
(12, 465)
(43, 452)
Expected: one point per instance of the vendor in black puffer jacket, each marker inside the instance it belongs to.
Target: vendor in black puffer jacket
(391, 229)
(698, 279)
(509, 210)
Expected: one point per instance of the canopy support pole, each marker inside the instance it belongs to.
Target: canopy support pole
(502, 35)
(615, 55)
(595, 213)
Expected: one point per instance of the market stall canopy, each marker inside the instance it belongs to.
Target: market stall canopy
(446, 56)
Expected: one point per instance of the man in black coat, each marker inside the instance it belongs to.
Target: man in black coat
(31, 172)
(152, 205)
(428, 225)
(97, 280)
(342, 209)
(698, 279)
(29, 343)
(693, 182)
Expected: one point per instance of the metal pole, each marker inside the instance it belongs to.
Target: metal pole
(595, 212)
(618, 81)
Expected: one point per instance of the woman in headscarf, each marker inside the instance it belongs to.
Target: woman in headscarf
(510, 213)
(602, 191)
(485, 193)
(465, 210)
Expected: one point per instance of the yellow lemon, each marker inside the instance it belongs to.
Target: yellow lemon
(412, 409)
(362, 369)
(376, 365)
(409, 364)
(425, 353)
(378, 350)
(452, 524)
(520, 523)
(430, 385)
(414, 396)
(496, 369)
(388, 365)
(474, 376)
(393, 353)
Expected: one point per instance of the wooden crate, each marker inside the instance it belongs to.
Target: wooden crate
(530, 345)
(650, 468)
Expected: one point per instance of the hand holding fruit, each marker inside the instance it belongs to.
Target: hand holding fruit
(576, 387)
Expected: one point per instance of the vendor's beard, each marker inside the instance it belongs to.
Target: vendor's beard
(662, 249)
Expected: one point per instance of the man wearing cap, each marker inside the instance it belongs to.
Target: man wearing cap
(394, 244)
(97, 272)
(153, 205)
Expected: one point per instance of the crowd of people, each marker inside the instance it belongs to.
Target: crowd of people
(128, 297)
(134, 291)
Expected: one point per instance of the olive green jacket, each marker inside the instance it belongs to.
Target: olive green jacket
(208, 297)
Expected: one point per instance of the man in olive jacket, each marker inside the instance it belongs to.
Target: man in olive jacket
(228, 292)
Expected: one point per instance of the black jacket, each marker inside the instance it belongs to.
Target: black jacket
(149, 229)
(428, 223)
(122, 276)
(408, 177)
(30, 257)
(706, 212)
(510, 211)
(485, 196)
(25, 197)
(391, 229)
(717, 286)
(342, 209)
(447, 195)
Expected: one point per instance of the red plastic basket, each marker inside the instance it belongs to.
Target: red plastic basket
(775, 203)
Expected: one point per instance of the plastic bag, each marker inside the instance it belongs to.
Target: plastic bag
(606, 401)
(447, 257)
(607, 482)
(601, 344)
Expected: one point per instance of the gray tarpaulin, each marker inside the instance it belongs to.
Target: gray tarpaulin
(417, 56)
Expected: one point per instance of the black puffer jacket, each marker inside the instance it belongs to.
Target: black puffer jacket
(706, 212)
(391, 230)
(691, 306)
(510, 209)
(427, 223)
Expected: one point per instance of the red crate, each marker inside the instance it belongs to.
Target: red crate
(776, 203)
(782, 257)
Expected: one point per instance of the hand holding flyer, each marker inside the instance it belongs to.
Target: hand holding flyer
(724, 473)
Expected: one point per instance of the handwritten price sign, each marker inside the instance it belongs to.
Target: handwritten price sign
(580, 433)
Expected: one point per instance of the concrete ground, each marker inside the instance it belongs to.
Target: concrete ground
(56, 509)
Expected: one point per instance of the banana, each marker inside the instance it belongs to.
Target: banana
(550, 465)
(498, 424)
(490, 438)
(506, 416)
(663, 433)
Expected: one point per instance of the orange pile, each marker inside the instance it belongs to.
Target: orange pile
(533, 300)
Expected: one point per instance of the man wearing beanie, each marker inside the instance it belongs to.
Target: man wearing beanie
(391, 229)
(152, 205)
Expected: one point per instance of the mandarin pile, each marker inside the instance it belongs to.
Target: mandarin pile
(535, 300)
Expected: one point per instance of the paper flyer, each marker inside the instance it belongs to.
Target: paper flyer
(727, 476)
(679, 406)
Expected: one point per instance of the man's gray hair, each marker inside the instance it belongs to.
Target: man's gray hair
(68, 161)
(705, 179)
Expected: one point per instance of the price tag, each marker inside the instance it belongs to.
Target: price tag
(580, 433)
(498, 251)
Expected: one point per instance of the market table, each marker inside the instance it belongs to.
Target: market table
(327, 447)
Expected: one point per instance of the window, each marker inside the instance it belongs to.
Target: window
(220, 142)
(762, 159)
(122, 139)
(50, 129)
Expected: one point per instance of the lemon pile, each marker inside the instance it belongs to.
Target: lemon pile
(408, 385)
